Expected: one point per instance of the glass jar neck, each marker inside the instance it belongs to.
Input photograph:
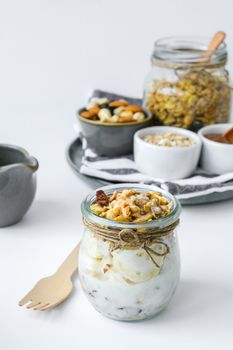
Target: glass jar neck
(187, 52)
(159, 223)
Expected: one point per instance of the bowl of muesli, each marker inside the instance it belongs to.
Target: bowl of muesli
(109, 125)
(167, 153)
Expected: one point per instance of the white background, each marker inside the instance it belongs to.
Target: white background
(52, 53)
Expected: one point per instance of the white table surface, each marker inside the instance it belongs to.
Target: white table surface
(50, 59)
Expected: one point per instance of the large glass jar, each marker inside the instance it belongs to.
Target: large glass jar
(187, 86)
(129, 283)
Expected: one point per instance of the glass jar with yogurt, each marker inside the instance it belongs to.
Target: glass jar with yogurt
(129, 264)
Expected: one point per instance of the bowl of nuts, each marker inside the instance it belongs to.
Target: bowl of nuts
(109, 125)
(167, 153)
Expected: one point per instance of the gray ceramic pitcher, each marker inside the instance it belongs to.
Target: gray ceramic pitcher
(17, 183)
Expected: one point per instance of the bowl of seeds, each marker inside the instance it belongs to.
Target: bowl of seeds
(109, 125)
(167, 153)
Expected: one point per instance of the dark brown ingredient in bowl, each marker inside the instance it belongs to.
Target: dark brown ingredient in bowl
(218, 138)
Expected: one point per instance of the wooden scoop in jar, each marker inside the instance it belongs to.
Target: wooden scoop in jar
(216, 41)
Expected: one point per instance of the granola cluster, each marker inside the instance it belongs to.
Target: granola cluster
(131, 206)
(169, 140)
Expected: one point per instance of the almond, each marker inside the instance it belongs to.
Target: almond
(119, 103)
(86, 114)
(94, 110)
(91, 113)
(134, 108)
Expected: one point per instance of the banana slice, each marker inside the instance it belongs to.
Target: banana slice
(135, 266)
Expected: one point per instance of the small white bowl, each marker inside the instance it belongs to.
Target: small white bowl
(216, 157)
(166, 163)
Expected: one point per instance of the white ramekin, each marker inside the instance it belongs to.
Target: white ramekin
(216, 157)
(166, 163)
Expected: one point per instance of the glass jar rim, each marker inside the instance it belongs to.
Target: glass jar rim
(187, 50)
(160, 223)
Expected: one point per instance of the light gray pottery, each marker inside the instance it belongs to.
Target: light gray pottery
(111, 139)
(17, 183)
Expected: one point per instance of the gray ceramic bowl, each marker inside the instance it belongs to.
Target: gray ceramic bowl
(110, 139)
(17, 183)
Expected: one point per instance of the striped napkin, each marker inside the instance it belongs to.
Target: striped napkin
(123, 169)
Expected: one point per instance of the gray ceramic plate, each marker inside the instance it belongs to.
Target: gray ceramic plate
(74, 154)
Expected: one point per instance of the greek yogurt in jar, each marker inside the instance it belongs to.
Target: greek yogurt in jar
(129, 269)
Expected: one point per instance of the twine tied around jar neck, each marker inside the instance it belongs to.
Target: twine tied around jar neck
(132, 239)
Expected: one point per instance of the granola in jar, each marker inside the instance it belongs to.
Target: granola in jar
(185, 90)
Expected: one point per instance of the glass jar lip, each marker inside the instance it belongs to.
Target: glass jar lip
(162, 222)
(187, 50)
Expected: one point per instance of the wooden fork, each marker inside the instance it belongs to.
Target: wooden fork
(53, 290)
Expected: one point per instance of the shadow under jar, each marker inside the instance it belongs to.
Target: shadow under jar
(123, 279)
(185, 88)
